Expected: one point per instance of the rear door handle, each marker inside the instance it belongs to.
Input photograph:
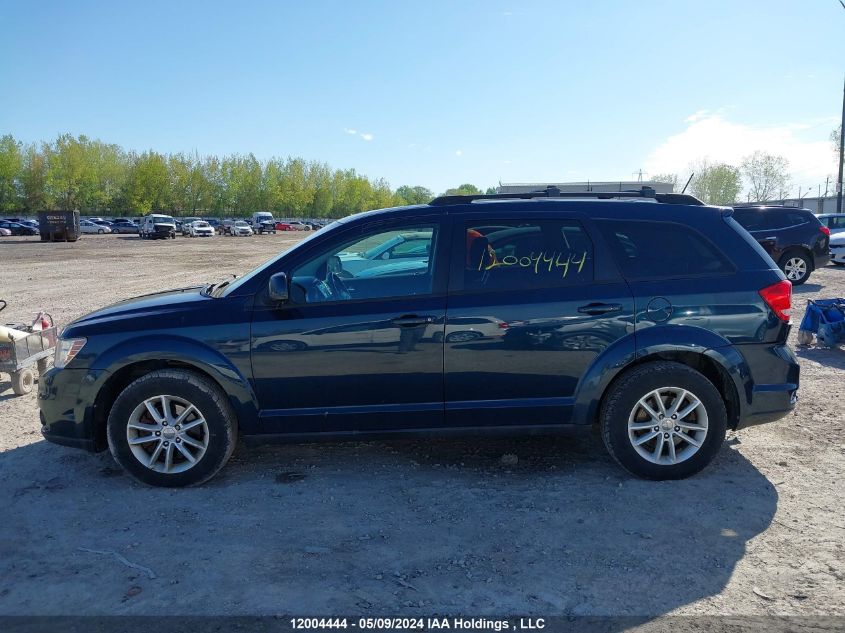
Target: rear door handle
(412, 320)
(600, 308)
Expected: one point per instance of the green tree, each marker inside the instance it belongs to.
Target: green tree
(147, 184)
(767, 176)
(34, 179)
(11, 166)
(464, 190)
(667, 178)
(414, 195)
(715, 183)
(71, 178)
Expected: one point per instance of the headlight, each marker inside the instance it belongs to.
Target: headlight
(67, 349)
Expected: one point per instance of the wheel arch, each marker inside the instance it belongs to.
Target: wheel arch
(803, 250)
(127, 367)
(702, 350)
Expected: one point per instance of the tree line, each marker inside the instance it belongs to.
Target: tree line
(99, 178)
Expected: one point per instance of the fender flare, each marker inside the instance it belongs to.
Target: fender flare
(183, 351)
(655, 341)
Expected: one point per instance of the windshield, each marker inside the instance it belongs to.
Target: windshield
(241, 223)
(200, 225)
(240, 281)
(163, 219)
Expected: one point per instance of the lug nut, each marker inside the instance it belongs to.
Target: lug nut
(164, 423)
(657, 428)
(661, 416)
(674, 417)
(677, 429)
(158, 433)
(178, 440)
(666, 435)
(167, 443)
(177, 427)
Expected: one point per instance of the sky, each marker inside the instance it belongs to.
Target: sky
(433, 92)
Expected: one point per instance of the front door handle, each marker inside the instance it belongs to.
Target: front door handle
(412, 320)
(600, 308)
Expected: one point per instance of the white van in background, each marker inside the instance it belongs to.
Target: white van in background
(263, 222)
(156, 226)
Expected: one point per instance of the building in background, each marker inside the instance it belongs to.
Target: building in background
(574, 187)
(815, 204)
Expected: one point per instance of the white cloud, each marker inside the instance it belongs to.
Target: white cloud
(367, 136)
(709, 135)
(459, 152)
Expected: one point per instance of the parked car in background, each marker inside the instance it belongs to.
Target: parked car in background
(263, 222)
(103, 223)
(240, 229)
(200, 228)
(87, 226)
(793, 237)
(5, 232)
(403, 247)
(124, 226)
(612, 304)
(213, 223)
(225, 227)
(284, 226)
(16, 228)
(185, 225)
(834, 221)
(157, 226)
(837, 249)
(30, 223)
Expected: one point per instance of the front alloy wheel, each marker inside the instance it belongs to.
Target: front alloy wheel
(167, 434)
(172, 427)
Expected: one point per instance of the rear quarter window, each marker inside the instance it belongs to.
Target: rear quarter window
(649, 250)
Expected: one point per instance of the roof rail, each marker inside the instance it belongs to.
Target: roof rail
(554, 192)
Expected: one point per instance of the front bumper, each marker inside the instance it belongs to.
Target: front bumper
(838, 255)
(66, 400)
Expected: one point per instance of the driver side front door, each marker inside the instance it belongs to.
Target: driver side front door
(355, 352)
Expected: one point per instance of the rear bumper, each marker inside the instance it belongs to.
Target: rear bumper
(838, 255)
(771, 392)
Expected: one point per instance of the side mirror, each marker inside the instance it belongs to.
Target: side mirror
(278, 287)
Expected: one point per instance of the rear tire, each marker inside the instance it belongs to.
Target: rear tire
(796, 266)
(640, 442)
(181, 427)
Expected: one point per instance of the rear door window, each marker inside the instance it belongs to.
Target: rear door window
(649, 250)
(523, 254)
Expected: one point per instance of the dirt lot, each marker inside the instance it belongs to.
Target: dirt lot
(407, 527)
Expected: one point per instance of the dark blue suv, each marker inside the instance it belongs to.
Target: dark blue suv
(650, 315)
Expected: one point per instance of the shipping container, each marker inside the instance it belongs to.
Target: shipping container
(59, 226)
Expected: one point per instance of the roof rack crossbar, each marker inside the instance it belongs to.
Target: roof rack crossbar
(554, 192)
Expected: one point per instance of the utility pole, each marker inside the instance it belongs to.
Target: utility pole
(841, 153)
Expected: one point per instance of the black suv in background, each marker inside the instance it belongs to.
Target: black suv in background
(794, 238)
(663, 324)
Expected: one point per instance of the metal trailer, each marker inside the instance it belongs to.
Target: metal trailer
(19, 356)
(59, 226)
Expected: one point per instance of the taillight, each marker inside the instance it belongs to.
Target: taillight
(825, 230)
(779, 298)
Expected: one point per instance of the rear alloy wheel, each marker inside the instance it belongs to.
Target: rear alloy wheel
(796, 267)
(172, 427)
(663, 420)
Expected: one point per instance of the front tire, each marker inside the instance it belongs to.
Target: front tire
(642, 436)
(173, 428)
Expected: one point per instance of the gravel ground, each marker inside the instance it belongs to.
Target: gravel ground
(407, 527)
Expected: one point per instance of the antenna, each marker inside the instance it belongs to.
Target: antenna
(684, 190)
